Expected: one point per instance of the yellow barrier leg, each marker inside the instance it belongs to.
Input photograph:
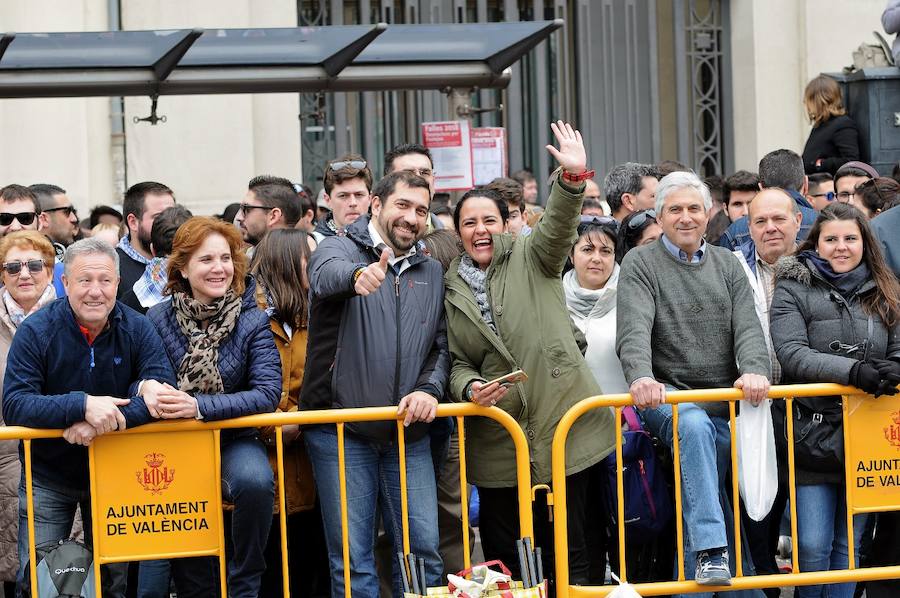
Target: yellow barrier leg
(95, 524)
(848, 499)
(345, 526)
(223, 569)
(404, 499)
(792, 484)
(620, 496)
(463, 490)
(29, 499)
(735, 491)
(282, 511)
(679, 524)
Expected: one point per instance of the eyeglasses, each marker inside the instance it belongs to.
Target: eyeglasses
(829, 195)
(68, 210)
(24, 218)
(607, 221)
(426, 172)
(639, 218)
(14, 268)
(245, 207)
(844, 196)
(354, 164)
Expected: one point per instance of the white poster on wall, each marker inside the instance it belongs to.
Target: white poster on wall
(488, 154)
(450, 144)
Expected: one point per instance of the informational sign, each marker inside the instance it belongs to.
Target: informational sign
(488, 154)
(156, 494)
(873, 452)
(450, 144)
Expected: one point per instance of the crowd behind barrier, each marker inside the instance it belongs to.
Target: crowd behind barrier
(373, 303)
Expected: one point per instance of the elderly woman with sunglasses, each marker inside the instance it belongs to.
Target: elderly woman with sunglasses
(505, 311)
(27, 258)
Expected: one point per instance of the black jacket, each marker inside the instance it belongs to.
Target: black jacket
(814, 331)
(130, 271)
(372, 351)
(835, 141)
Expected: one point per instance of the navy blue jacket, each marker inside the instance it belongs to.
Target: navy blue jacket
(248, 360)
(739, 232)
(372, 351)
(51, 368)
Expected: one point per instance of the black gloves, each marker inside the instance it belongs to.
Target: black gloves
(888, 369)
(866, 378)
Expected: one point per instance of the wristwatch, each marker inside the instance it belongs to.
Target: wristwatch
(577, 178)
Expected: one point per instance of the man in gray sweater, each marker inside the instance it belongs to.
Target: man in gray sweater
(686, 319)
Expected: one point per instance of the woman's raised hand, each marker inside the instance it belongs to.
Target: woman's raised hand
(570, 155)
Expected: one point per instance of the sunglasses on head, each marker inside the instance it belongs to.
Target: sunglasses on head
(354, 164)
(24, 218)
(14, 268)
(638, 220)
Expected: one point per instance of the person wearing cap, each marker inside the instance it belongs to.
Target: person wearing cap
(348, 193)
(848, 177)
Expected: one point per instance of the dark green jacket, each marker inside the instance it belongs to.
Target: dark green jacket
(533, 334)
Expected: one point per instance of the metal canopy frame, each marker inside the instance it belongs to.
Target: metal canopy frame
(302, 59)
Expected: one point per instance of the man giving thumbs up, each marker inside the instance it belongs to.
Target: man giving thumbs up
(377, 338)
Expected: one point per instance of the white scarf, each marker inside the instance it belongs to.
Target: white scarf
(584, 303)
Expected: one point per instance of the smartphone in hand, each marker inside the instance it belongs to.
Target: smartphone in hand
(509, 379)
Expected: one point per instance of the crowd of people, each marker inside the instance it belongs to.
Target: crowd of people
(376, 296)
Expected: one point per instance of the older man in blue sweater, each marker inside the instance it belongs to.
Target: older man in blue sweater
(78, 365)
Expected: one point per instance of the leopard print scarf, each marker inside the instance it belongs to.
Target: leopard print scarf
(199, 369)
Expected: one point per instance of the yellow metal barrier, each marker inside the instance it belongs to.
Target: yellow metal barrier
(681, 585)
(277, 420)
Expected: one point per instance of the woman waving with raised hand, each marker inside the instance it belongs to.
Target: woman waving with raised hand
(506, 311)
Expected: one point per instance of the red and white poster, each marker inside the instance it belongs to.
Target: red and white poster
(450, 143)
(488, 154)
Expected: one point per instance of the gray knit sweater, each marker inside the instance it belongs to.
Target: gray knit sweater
(688, 325)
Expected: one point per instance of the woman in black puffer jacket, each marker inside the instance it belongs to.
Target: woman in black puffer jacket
(835, 317)
(834, 139)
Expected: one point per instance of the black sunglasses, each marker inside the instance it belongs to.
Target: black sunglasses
(354, 164)
(24, 218)
(638, 220)
(13, 268)
(245, 207)
(607, 221)
(69, 210)
(829, 195)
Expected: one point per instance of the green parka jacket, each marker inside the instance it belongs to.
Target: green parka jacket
(533, 334)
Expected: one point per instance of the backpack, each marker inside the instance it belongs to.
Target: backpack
(648, 507)
(65, 569)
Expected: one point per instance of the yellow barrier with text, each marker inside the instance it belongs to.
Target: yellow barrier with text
(872, 474)
(156, 489)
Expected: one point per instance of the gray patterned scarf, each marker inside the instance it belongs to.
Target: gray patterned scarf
(475, 277)
(199, 369)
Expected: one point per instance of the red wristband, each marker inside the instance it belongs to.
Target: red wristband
(577, 178)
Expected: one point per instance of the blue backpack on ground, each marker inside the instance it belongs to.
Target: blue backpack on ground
(648, 506)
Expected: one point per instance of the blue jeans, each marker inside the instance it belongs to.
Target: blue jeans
(705, 444)
(822, 531)
(54, 514)
(153, 579)
(247, 483)
(373, 479)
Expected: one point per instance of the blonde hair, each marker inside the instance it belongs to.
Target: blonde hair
(28, 239)
(823, 99)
